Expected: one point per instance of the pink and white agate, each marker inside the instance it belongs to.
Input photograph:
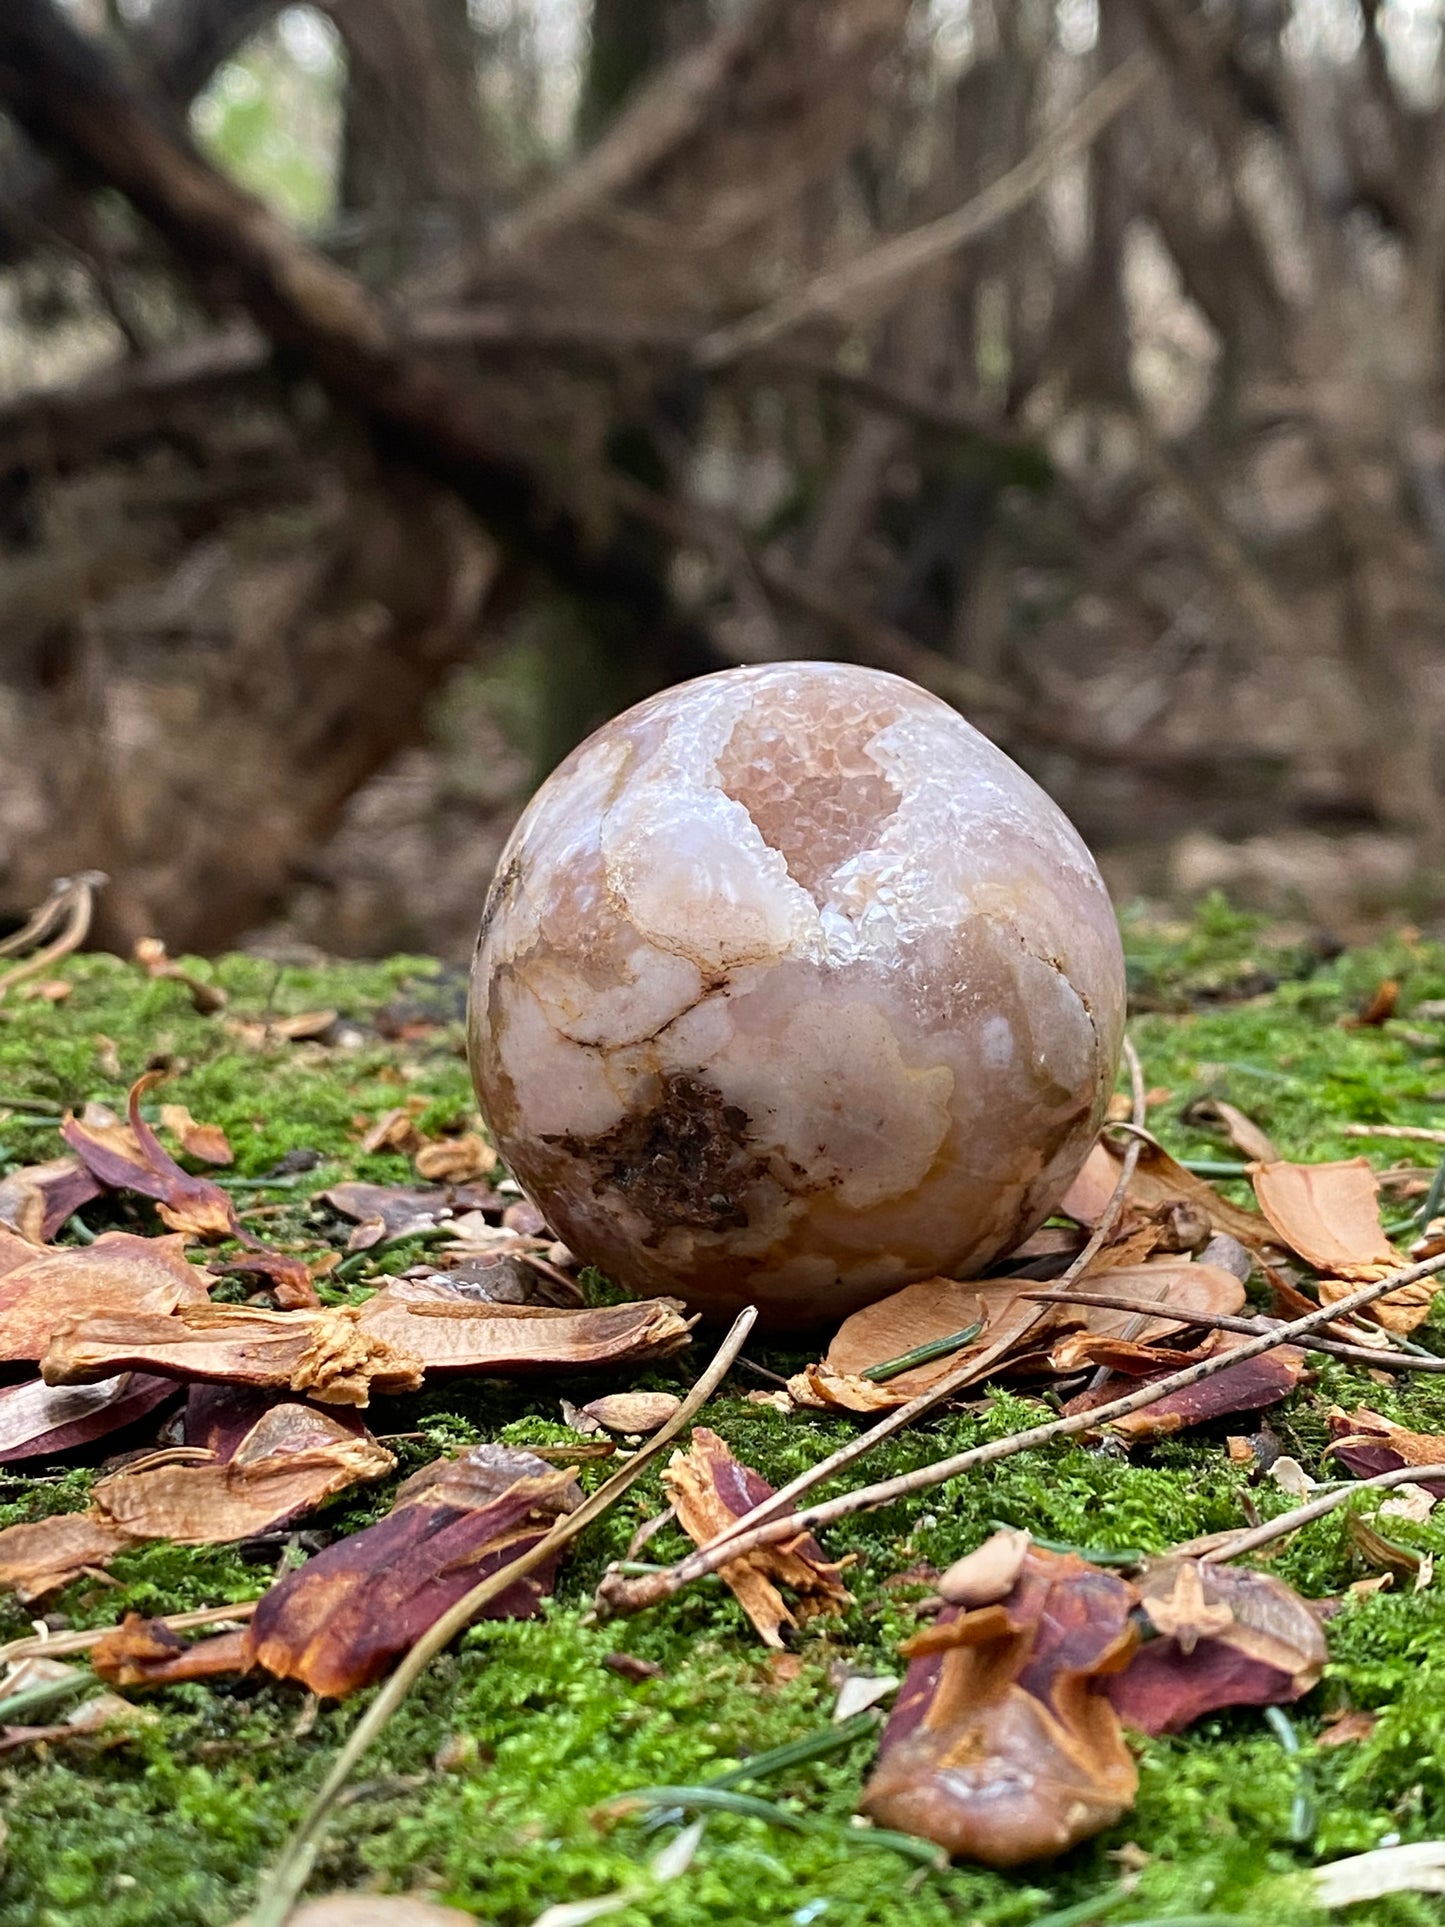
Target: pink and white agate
(792, 988)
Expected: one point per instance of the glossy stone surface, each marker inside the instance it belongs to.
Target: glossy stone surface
(792, 988)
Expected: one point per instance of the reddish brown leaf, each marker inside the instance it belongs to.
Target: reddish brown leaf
(1160, 1179)
(456, 1160)
(38, 1420)
(450, 1333)
(388, 1211)
(132, 1158)
(633, 1411)
(44, 1554)
(207, 1143)
(145, 1652)
(330, 1353)
(346, 1616)
(289, 1277)
(37, 1200)
(46, 1288)
(1001, 1746)
(1330, 1215)
(1368, 1444)
(292, 1460)
(1250, 1387)
(1346, 1727)
(1227, 1638)
(710, 1489)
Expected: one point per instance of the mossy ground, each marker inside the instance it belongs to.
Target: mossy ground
(535, 1731)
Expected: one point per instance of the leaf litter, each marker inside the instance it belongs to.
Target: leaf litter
(1049, 1647)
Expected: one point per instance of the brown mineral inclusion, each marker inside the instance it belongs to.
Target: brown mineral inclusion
(792, 988)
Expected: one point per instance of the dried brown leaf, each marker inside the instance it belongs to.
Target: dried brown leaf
(44, 1554)
(36, 1200)
(344, 1618)
(291, 1461)
(329, 1353)
(205, 1142)
(1229, 1638)
(1243, 1133)
(710, 1490)
(1001, 1746)
(635, 1412)
(988, 1573)
(1330, 1215)
(1252, 1386)
(118, 1275)
(38, 1420)
(130, 1157)
(1368, 1444)
(451, 1334)
(456, 1160)
(145, 1652)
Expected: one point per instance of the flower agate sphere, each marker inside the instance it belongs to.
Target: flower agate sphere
(792, 988)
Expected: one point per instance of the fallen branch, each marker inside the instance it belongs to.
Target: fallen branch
(1418, 1133)
(619, 1594)
(907, 254)
(55, 1645)
(1385, 1357)
(282, 1885)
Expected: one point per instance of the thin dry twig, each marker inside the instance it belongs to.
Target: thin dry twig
(283, 1884)
(1385, 1357)
(965, 1372)
(618, 1594)
(1253, 1537)
(907, 254)
(73, 900)
(1418, 1133)
(56, 1645)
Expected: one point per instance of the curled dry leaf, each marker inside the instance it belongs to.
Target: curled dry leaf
(1227, 1638)
(1001, 1747)
(130, 1157)
(145, 1652)
(637, 1412)
(1256, 1384)
(1368, 1444)
(44, 1554)
(1330, 1215)
(390, 1211)
(150, 954)
(38, 1420)
(456, 1160)
(1243, 1133)
(42, 1290)
(452, 1333)
(710, 1490)
(341, 1355)
(207, 1143)
(330, 1353)
(1159, 1181)
(289, 1277)
(36, 1200)
(291, 1461)
(344, 1618)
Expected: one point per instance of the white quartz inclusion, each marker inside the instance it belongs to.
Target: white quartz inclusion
(792, 988)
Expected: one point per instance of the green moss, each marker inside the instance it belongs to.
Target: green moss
(174, 1825)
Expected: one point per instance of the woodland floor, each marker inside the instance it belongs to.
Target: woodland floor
(483, 1790)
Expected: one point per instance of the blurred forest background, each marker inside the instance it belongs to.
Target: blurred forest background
(392, 389)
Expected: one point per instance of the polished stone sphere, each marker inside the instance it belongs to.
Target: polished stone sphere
(792, 988)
